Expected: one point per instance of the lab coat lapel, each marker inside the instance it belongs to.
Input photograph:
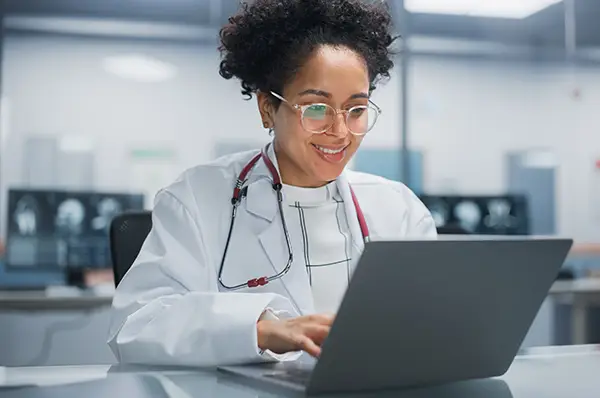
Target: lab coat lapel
(261, 202)
(353, 224)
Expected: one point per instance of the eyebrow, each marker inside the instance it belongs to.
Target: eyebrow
(359, 95)
(325, 94)
(313, 91)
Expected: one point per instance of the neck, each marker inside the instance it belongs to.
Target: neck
(292, 174)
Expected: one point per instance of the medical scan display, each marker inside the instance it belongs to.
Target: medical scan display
(62, 229)
(480, 215)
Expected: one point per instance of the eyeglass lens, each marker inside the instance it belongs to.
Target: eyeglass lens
(318, 118)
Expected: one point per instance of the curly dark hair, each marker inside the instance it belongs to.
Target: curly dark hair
(267, 41)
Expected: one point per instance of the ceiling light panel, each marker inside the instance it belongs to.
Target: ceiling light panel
(514, 9)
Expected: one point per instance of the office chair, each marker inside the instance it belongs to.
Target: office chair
(128, 231)
(452, 229)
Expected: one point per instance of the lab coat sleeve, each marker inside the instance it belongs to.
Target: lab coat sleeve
(167, 310)
(420, 222)
(425, 228)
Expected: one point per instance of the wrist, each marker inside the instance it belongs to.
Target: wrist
(263, 332)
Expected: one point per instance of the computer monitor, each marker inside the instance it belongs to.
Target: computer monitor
(59, 229)
(479, 215)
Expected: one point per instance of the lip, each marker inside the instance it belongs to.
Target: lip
(333, 158)
(332, 148)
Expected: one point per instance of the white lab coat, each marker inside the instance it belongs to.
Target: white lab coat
(169, 309)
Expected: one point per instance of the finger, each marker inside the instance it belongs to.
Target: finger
(317, 332)
(309, 346)
(321, 319)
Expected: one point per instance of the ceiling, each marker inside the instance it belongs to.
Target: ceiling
(544, 29)
(203, 12)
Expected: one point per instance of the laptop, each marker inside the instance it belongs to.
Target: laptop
(422, 313)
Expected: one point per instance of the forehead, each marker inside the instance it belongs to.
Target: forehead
(336, 70)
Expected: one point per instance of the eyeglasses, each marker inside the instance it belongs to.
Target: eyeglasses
(318, 118)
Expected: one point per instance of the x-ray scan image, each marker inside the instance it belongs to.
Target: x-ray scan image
(26, 215)
(107, 209)
(440, 213)
(468, 215)
(62, 229)
(499, 216)
(70, 215)
(479, 214)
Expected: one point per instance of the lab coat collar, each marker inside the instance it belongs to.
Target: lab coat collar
(261, 202)
(261, 199)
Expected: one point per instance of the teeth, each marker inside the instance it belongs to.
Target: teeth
(329, 151)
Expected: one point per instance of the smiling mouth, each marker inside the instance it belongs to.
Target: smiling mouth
(329, 151)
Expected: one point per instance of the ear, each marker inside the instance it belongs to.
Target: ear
(265, 107)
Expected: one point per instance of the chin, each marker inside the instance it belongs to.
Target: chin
(328, 173)
(329, 166)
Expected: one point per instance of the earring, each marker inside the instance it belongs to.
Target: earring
(266, 125)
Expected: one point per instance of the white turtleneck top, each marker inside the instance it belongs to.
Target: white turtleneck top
(321, 241)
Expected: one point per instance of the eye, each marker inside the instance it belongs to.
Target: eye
(357, 111)
(316, 111)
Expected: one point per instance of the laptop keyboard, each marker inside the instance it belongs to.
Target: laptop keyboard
(293, 375)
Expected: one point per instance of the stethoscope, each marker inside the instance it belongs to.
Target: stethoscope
(239, 192)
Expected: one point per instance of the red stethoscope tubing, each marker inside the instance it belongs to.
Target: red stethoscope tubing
(239, 193)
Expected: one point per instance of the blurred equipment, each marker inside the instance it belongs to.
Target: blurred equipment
(58, 162)
(479, 215)
(532, 173)
(389, 163)
(52, 229)
(128, 232)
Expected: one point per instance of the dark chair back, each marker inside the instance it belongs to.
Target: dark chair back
(128, 231)
(452, 229)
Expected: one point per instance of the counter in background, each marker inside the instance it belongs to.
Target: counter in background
(58, 326)
(583, 295)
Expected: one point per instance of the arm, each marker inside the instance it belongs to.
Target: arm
(167, 310)
(419, 222)
(425, 227)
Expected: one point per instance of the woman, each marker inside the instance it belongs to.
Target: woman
(196, 294)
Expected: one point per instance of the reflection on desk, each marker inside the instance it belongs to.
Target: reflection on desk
(554, 372)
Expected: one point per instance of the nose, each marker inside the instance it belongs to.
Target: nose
(339, 128)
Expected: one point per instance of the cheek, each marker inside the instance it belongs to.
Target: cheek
(356, 141)
(295, 133)
(289, 127)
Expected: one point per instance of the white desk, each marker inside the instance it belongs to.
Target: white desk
(581, 294)
(550, 372)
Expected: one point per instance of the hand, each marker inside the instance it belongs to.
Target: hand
(306, 333)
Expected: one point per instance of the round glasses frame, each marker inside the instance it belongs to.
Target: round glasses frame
(303, 108)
